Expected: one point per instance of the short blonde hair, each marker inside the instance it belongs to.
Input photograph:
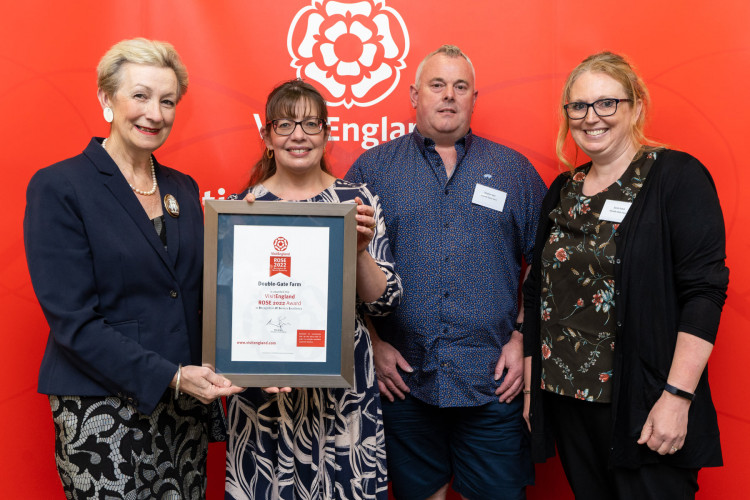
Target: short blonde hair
(619, 69)
(139, 51)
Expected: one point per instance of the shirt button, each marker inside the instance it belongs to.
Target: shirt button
(617, 261)
(619, 323)
(445, 330)
(446, 191)
(446, 258)
(446, 294)
(173, 294)
(617, 292)
(446, 224)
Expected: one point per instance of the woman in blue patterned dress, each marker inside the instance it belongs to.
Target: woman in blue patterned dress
(314, 443)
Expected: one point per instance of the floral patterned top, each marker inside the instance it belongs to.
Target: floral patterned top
(578, 287)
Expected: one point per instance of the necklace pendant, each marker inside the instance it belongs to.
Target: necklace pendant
(171, 205)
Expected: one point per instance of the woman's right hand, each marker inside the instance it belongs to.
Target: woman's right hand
(527, 408)
(204, 384)
(526, 389)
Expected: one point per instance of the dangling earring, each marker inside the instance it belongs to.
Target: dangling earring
(269, 153)
(108, 115)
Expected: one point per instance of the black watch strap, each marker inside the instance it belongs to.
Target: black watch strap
(518, 327)
(679, 392)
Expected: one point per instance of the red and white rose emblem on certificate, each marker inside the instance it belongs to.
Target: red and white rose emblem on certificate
(355, 50)
(280, 244)
(280, 264)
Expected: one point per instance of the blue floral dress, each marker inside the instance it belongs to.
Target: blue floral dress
(317, 443)
(578, 286)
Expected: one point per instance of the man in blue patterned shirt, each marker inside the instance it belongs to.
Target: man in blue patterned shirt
(461, 214)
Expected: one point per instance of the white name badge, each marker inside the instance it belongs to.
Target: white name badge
(489, 197)
(614, 211)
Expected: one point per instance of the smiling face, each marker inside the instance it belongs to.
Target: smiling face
(603, 138)
(299, 152)
(143, 107)
(444, 98)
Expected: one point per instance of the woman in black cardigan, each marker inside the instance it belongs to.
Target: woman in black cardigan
(623, 301)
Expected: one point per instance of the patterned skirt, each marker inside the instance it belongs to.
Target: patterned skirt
(105, 448)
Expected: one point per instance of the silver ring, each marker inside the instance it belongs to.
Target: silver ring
(674, 449)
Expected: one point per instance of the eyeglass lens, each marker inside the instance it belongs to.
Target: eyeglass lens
(602, 107)
(310, 126)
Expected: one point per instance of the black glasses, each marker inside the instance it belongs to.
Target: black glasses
(602, 107)
(310, 126)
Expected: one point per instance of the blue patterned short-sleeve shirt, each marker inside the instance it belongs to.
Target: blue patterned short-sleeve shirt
(459, 261)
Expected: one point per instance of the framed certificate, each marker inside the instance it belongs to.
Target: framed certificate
(279, 292)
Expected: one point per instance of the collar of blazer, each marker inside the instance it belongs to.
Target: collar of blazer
(116, 183)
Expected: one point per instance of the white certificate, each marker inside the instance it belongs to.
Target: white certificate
(280, 299)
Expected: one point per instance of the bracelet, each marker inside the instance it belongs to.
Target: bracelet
(177, 385)
(679, 392)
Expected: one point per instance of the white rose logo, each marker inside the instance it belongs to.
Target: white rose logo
(355, 50)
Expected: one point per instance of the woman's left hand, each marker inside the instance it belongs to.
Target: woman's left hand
(666, 426)
(276, 390)
(365, 224)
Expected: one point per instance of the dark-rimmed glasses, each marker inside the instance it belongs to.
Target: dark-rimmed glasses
(602, 107)
(310, 126)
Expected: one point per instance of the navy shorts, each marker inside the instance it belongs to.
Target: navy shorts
(485, 449)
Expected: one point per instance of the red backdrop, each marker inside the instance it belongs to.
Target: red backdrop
(694, 55)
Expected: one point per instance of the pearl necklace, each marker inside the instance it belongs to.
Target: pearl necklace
(153, 176)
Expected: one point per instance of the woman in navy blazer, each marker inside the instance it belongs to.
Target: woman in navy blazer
(114, 248)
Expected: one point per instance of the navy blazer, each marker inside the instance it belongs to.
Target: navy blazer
(122, 310)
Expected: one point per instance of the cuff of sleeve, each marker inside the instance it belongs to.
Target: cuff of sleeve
(700, 318)
(159, 384)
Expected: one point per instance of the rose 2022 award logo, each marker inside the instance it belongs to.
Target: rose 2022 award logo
(281, 261)
(354, 49)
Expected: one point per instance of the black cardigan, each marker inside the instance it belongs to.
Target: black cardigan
(669, 277)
